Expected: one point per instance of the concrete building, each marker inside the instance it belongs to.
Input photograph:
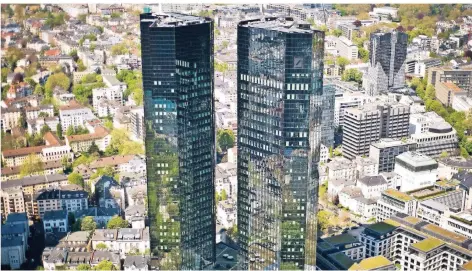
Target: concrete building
(339, 252)
(81, 143)
(344, 101)
(392, 202)
(367, 124)
(346, 48)
(57, 199)
(365, 166)
(446, 92)
(372, 186)
(124, 240)
(386, 62)
(416, 244)
(461, 77)
(440, 138)
(55, 221)
(74, 115)
(349, 30)
(416, 170)
(342, 168)
(109, 94)
(386, 149)
(461, 223)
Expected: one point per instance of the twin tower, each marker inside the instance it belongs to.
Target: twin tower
(279, 86)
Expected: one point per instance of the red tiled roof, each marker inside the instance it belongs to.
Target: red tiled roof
(53, 52)
(23, 151)
(72, 105)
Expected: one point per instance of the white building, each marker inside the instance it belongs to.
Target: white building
(114, 93)
(347, 100)
(392, 202)
(124, 240)
(346, 48)
(416, 170)
(366, 166)
(74, 115)
(55, 221)
(440, 138)
(372, 186)
(226, 213)
(67, 200)
(342, 168)
(461, 223)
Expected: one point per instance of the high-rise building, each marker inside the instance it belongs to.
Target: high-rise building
(367, 124)
(280, 75)
(177, 53)
(386, 69)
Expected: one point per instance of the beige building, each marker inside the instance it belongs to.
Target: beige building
(81, 143)
(10, 118)
(445, 92)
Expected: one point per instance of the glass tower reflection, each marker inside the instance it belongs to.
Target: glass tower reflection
(177, 60)
(280, 75)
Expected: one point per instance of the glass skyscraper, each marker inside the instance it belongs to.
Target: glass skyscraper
(387, 57)
(280, 85)
(177, 64)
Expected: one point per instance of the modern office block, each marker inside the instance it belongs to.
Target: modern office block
(461, 76)
(177, 53)
(385, 150)
(367, 124)
(280, 90)
(386, 69)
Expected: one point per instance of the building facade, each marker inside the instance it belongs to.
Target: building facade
(385, 151)
(386, 62)
(178, 83)
(280, 73)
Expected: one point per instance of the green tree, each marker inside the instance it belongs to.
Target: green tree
(19, 14)
(39, 90)
(101, 246)
(57, 79)
(12, 56)
(119, 49)
(224, 196)
(289, 266)
(44, 130)
(337, 32)
(5, 72)
(108, 124)
(117, 222)
(324, 218)
(116, 15)
(105, 265)
(32, 164)
(82, 17)
(363, 54)
(138, 96)
(342, 62)
(59, 130)
(352, 75)
(233, 231)
(76, 178)
(171, 260)
(93, 148)
(80, 65)
(88, 224)
(70, 130)
(84, 267)
(225, 139)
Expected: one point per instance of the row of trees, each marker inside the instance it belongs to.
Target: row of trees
(461, 121)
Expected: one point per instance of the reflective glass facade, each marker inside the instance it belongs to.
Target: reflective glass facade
(280, 75)
(177, 64)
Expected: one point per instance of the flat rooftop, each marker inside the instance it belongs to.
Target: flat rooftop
(428, 244)
(416, 159)
(372, 263)
(398, 195)
(390, 142)
(283, 24)
(171, 19)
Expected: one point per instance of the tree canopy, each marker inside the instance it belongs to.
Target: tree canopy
(225, 139)
(32, 164)
(88, 224)
(76, 178)
(57, 79)
(117, 222)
